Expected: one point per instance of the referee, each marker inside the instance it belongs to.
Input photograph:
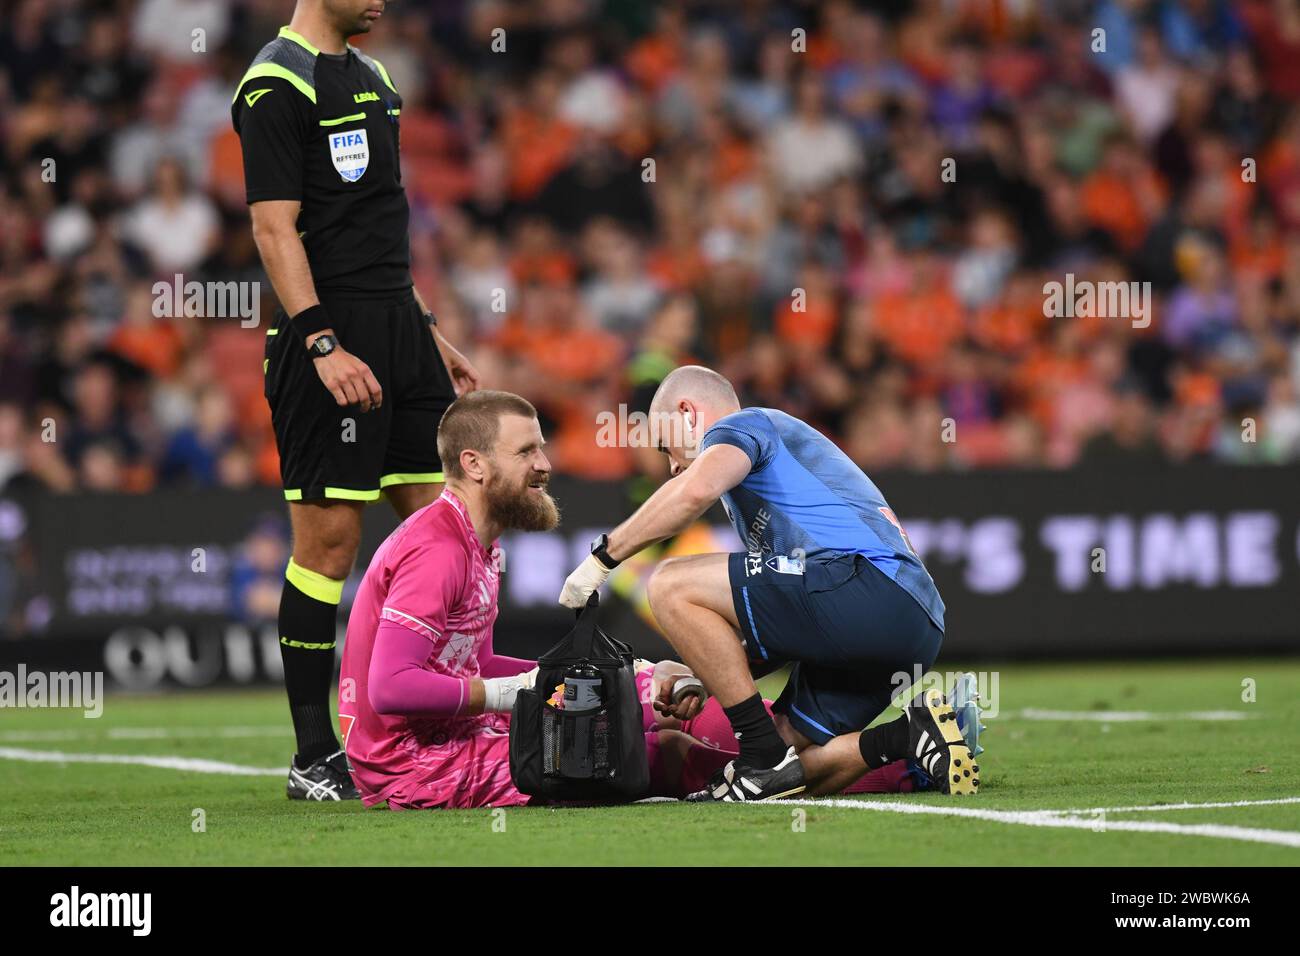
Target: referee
(357, 374)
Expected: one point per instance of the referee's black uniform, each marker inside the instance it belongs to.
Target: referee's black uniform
(323, 129)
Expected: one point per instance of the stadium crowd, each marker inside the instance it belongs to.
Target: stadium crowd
(628, 186)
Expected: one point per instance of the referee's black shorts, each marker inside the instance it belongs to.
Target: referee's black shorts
(333, 451)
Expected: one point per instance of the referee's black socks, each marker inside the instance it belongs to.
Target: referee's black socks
(760, 745)
(309, 606)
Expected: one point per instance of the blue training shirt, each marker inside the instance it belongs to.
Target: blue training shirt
(802, 492)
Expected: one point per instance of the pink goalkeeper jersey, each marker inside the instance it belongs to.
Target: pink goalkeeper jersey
(432, 576)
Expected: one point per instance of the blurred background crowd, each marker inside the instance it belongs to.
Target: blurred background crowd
(794, 228)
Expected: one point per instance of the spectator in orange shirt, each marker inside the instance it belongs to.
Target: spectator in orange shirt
(1259, 250)
(151, 342)
(1012, 322)
(655, 59)
(539, 255)
(807, 319)
(920, 325)
(1123, 195)
(537, 141)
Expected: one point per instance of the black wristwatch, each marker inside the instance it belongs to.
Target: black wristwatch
(323, 345)
(431, 319)
(600, 549)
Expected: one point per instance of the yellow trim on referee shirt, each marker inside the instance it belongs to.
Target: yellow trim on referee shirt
(384, 73)
(299, 39)
(314, 584)
(279, 72)
(339, 120)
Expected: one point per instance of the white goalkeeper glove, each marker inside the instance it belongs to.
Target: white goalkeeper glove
(579, 585)
(499, 693)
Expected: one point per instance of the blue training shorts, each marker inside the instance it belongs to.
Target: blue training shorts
(848, 629)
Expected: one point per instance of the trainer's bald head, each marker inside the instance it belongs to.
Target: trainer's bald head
(700, 387)
(689, 400)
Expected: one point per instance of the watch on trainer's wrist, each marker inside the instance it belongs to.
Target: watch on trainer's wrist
(323, 345)
(600, 550)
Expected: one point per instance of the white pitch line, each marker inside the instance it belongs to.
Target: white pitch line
(1052, 819)
(192, 764)
(1056, 820)
(1156, 807)
(1122, 716)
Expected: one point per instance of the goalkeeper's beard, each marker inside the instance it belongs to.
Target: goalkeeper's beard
(520, 509)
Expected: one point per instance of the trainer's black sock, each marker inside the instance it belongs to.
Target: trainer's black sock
(884, 743)
(760, 745)
(308, 608)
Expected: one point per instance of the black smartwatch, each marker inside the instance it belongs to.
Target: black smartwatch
(322, 346)
(600, 549)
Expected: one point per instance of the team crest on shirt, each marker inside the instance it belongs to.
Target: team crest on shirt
(783, 564)
(350, 151)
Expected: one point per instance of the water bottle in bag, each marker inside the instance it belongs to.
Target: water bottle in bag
(584, 747)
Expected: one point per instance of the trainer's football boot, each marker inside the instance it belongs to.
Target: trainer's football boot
(736, 782)
(936, 743)
(964, 698)
(328, 778)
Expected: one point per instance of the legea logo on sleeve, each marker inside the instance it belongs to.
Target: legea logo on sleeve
(350, 151)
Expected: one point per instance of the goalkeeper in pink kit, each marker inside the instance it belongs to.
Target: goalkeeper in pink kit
(424, 701)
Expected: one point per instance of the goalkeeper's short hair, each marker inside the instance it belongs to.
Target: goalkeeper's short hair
(472, 423)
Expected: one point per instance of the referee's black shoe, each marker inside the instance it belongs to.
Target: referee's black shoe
(329, 778)
(737, 783)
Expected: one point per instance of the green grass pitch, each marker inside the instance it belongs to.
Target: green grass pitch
(68, 811)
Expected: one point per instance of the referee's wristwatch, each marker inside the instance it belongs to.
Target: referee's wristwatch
(600, 551)
(322, 346)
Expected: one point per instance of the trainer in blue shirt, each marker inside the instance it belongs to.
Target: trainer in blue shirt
(828, 582)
